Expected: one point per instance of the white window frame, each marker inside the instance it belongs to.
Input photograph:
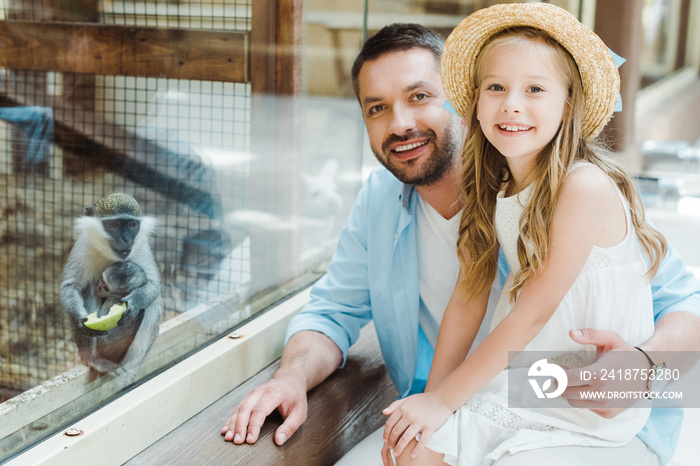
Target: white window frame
(126, 426)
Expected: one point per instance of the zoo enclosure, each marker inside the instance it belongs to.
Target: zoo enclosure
(192, 107)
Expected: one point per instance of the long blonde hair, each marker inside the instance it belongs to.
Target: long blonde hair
(484, 171)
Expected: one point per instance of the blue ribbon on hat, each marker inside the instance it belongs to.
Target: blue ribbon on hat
(618, 62)
(448, 106)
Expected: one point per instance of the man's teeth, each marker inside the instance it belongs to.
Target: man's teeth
(410, 146)
(514, 128)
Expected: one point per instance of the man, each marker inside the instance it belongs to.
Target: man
(396, 261)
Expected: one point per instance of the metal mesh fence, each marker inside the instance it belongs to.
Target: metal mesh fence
(223, 14)
(208, 15)
(178, 146)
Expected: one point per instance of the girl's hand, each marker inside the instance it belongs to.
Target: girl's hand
(423, 413)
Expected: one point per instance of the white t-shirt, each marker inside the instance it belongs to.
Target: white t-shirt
(438, 265)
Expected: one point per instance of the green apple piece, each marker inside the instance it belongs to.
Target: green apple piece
(107, 321)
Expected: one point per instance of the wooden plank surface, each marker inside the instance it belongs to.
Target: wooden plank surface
(125, 50)
(342, 411)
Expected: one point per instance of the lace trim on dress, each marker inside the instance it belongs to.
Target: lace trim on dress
(502, 416)
(507, 419)
(568, 359)
(598, 260)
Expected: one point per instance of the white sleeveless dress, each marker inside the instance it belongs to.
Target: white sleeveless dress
(610, 293)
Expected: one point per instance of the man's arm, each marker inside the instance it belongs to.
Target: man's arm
(307, 360)
(676, 294)
(318, 338)
(677, 331)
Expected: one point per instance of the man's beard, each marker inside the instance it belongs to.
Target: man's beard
(433, 168)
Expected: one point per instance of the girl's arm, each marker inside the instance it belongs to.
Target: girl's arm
(458, 330)
(587, 204)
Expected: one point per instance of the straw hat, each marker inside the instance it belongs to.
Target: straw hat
(601, 81)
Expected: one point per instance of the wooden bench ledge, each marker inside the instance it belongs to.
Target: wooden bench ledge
(342, 411)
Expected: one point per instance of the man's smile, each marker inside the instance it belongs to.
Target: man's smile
(406, 147)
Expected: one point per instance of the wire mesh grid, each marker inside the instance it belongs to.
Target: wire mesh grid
(178, 146)
(222, 14)
(232, 15)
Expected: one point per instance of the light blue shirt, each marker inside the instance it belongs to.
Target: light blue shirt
(374, 276)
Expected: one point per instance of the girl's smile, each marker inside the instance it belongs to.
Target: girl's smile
(513, 128)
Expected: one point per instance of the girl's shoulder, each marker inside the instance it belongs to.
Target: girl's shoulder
(588, 182)
(584, 175)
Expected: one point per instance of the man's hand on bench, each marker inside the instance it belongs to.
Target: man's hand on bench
(287, 393)
(307, 360)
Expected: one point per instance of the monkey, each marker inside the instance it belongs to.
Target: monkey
(112, 231)
(118, 280)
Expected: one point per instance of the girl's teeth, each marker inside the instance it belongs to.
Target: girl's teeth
(513, 128)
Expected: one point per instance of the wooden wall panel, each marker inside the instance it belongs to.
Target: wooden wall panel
(125, 50)
(275, 84)
(619, 24)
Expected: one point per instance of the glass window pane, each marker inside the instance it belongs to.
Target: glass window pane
(158, 99)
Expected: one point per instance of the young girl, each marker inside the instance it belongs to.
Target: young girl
(535, 88)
